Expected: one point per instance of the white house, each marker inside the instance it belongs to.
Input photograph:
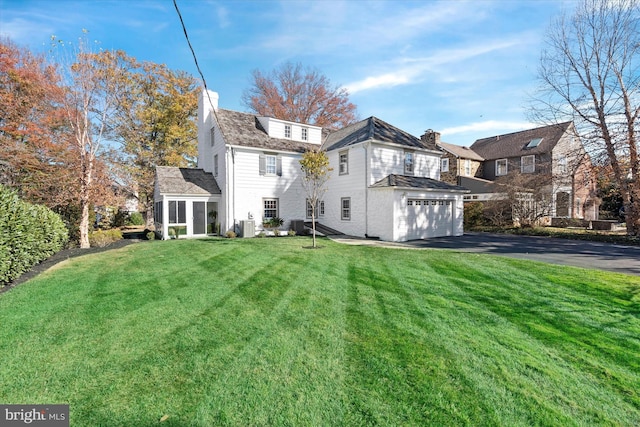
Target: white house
(385, 182)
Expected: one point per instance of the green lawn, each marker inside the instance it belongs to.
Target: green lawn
(269, 332)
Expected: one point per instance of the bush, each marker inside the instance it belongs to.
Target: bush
(473, 215)
(135, 218)
(102, 238)
(231, 234)
(291, 232)
(151, 235)
(261, 234)
(30, 234)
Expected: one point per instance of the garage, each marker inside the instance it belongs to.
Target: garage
(427, 218)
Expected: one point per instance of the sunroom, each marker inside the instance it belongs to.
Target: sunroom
(186, 203)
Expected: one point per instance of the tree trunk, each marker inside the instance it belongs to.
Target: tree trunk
(149, 222)
(313, 225)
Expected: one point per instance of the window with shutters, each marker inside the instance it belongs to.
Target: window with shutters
(270, 165)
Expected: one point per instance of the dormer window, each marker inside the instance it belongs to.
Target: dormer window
(287, 131)
(305, 134)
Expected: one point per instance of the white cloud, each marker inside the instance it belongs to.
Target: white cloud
(416, 68)
(489, 127)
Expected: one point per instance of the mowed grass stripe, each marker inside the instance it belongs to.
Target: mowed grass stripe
(268, 332)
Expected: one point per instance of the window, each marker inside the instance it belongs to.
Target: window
(345, 211)
(270, 164)
(528, 164)
(501, 167)
(177, 212)
(344, 163)
(319, 209)
(534, 143)
(215, 165)
(270, 208)
(408, 162)
(305, 134)
(287, 131)
(562, 164)
(467, 167)
(212, 136)
(157, 212)
(444, 165)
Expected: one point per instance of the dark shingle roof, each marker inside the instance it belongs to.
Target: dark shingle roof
(418, 182)
(244, 129)
(513, 144)
(461, 152)
(174, 180)
(373, 129)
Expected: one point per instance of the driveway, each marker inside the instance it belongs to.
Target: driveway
(577, 253)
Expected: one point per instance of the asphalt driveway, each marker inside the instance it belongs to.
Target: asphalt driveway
(578, 253)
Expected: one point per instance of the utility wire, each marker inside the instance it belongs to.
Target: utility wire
(204, 82)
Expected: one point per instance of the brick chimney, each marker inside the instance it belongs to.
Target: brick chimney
(431, 137)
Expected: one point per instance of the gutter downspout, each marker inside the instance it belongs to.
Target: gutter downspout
(366, 188)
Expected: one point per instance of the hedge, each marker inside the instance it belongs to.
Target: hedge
(30, 234)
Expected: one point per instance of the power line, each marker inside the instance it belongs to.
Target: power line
(204, 82)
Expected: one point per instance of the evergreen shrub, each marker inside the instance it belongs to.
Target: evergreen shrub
(30, 234)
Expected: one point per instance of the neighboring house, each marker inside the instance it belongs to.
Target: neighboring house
(552, 153)
(384, 183)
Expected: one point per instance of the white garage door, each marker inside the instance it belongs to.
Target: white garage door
(428, 218)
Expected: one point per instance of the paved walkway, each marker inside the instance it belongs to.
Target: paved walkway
(577, 253)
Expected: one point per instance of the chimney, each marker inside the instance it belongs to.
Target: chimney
(431, 137)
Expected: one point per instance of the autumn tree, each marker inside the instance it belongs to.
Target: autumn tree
(589, 74)
(90, 98)
(34, 150)
(154, 123)
(298, 94)
(315, 174)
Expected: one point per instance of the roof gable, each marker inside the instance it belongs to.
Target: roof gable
(374, 129)
(518, 144)
(187, 181)
(461, 152)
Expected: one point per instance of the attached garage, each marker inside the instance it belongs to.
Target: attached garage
(409, 208)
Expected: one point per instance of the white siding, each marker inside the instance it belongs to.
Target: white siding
(353, 185)
(386, 160)
(250, 188)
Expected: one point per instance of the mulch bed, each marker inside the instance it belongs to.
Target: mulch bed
(61, 256)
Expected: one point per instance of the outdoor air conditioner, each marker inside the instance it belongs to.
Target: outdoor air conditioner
(247, 228)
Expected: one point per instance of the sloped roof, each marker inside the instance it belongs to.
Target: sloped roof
(373, 129)
(479, 185)
(418, 182)
(461, 152)
(244, 129)
(197, 182)
(514, 144)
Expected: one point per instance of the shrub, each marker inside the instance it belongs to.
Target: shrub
(261, 234)
(30, 234)
(231, 234)
(102, 238)
(291, 232)
(151, 235)
(473, 215)
(135, 218)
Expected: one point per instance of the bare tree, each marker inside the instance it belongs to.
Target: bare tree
(299, 95)
(589, 73)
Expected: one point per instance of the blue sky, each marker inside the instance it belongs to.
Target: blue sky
(463, 68)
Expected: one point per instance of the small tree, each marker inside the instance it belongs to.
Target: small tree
(315, 174)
